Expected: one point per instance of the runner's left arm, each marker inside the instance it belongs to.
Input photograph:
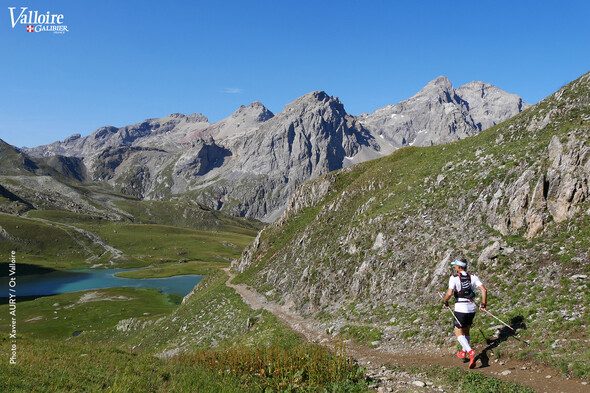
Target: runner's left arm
(484, 297)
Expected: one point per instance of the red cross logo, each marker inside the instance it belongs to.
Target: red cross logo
(30, 28)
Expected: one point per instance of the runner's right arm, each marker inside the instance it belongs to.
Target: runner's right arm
(450, 292)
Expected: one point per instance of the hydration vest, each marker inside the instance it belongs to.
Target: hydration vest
(466, 291)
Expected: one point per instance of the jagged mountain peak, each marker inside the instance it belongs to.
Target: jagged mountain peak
(256, 104)
(440, 114)
(315, 97)
(250, 162)
(313, 102)
(439, 89)
(441, 82)
(197, 118)
(488, 104)
(256, 110)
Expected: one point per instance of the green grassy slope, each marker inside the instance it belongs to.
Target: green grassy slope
(185, 213)
(45, 243)
(61, 240)
(372, 243)
(86, 312)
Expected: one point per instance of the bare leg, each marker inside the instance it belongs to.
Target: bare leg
(462, 331)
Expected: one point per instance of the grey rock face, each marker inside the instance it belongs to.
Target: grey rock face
(557, 193)
(312, 136)
(489, 105)
(165, 132)
(314, 126)
(440, 114)
(202, 157)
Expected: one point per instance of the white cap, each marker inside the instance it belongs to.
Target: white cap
(462, 264)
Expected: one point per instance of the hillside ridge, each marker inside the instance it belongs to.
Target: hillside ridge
(514, 198)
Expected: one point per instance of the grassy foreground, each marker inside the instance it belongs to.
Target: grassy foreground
(47, 366)
(238, 349)
(232, 356)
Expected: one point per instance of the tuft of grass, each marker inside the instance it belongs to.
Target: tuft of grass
(363, 334)
(299, 367)
(47, 366)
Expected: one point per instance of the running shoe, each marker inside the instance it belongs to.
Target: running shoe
(463, 356)
(472, 359)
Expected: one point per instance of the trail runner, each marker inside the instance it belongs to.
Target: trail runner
(462, 285)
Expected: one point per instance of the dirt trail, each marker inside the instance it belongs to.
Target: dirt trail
(541, 379)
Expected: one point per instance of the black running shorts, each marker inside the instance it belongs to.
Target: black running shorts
(466, 319)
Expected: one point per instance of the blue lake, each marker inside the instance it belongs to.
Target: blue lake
(65, 281)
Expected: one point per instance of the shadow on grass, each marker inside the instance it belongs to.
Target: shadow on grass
(25, 269)
(22, 269)
(504, 333)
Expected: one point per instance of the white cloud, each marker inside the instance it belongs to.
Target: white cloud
(232, 90)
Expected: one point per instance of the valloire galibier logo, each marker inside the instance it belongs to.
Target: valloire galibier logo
(37, 22)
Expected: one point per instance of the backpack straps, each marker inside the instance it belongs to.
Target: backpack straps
(466, 292)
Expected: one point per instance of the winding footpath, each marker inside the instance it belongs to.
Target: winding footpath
(541, 379)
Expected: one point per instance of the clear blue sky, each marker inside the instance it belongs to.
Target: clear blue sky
(125, 61)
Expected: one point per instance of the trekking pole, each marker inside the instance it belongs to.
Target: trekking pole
(504, 323)
(441, 296)
(515, 334)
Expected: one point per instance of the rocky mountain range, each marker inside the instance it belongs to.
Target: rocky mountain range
(250, 163)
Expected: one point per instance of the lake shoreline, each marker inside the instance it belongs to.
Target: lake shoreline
(75, 280)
